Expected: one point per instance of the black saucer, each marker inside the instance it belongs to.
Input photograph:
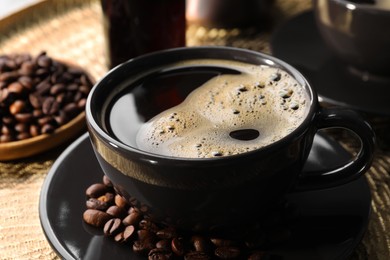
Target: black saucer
(327, 224)
(299, 43)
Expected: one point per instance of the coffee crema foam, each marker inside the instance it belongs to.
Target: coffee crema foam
(229, 114)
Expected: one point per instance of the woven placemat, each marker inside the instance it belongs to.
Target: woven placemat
(71, 30)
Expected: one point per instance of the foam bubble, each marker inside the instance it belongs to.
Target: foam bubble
(263, 99)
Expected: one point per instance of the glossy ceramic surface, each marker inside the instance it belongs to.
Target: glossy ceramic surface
(299, 43)
(357, 33)
(327, 224)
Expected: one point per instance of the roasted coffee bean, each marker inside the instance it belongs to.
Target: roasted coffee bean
(142, 247)
(164, 244)
(112, 227)
(17, 107)
(71, 109)
(6, 130)
(96, 217)
(146, 235)
(47, 129)
(34, 130)
(93, 203)
(178, 246)
(120, 201)
(196, 256)
(132, 219)
(201, 244)
(159, 254)
(107, 181)
(126, 235)
(227, 252)
(257, 255)
(21, 127)
(44, 61)
(108, 198)
(57, 89)
(27, 68)
(50, 106)
(167, 233)
(148, 225)
(129, 233)
(6, 138)
(220, 242)
(22, 136)
(15, 87)
(96, 190)
(23, 117)
(35, 101)
(116, 211)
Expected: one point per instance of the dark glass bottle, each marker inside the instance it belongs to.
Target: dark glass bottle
(135, 27)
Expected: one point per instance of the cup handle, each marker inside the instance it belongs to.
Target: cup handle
(350, 120)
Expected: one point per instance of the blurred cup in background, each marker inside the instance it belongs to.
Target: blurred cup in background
(358, 33)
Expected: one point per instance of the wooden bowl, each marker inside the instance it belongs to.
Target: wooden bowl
(44, 142)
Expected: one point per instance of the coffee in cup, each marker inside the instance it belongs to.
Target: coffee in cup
(226, 115)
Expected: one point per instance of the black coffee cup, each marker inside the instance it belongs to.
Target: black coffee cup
(358, 34)
(204, 194)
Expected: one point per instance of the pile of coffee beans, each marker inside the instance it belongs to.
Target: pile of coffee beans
(110, 212)
(38, 95)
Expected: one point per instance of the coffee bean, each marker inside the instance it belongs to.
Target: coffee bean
(22, 136)
(15, 87)
(197, 256)
(129, 233)
(166, 233)
(17, 107)
(35, 101)
(57, 89)
(44, 61)
(93, 203)
(112, 227)
(23, 117)
(142, 247)
(201, 244)
(227, 252)
(159, 254)
(178, 246)
(148, 225)
(220, 242)
(47, 129)
(107, 181)
(49, 106)
(116, 211)
(34, 130)
(108, 198)
(257, 255)
(120, 201)
(132, 219)
(26, 81)
(27, 68)
(96, 217)
(164, 244)
(96, 190)
(146, 235)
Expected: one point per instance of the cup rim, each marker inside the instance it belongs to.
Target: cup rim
(361, 6)
(94, 126)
